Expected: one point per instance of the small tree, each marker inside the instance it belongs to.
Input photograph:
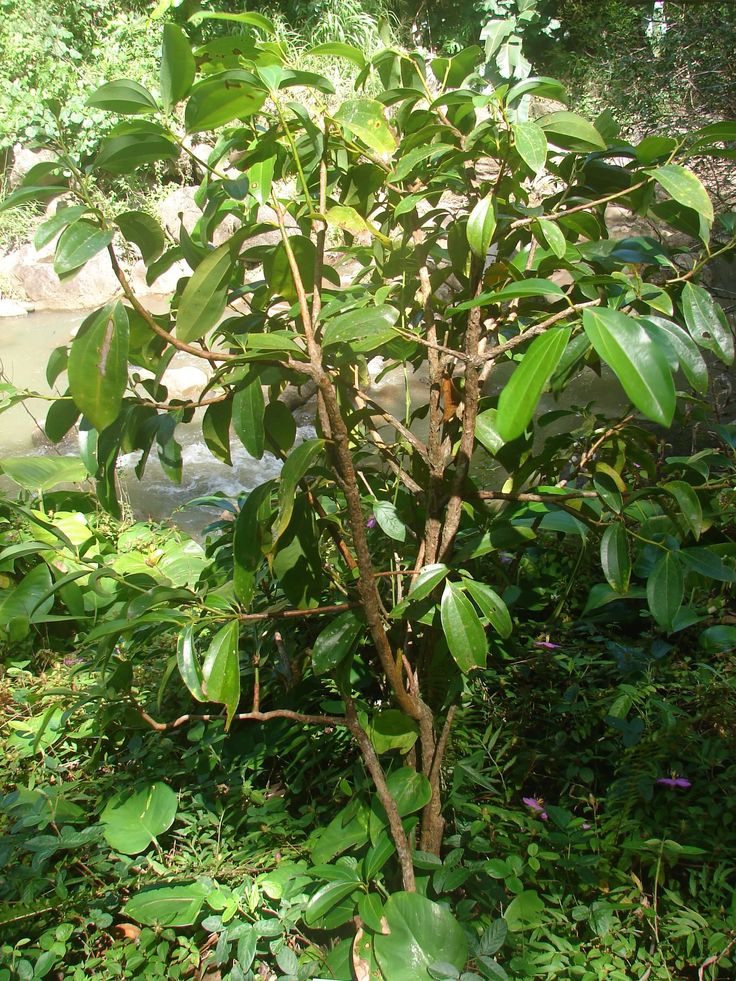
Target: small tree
(433, 228)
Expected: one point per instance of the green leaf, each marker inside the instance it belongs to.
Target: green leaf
(615, 560)
(50, 228)
(77, 244)
(60, 418)
(221, 670)
(337, 49)
(330, 895)
(518, 400)
(221, 98)
(552, 234)
(389, 521)
(123, 154)
(364, 329)
(178, 67)
(347, 218)
(486, 432)
(419, 934)
(683, 348)
(98, 365)
(481, 226)
(31, 194)
(531, 144)
(406, 164)
(277, 270)
(252, 534)
(188, 663)
(298, 463)
(20, 602)
(637, 362)
(524, 911)
(430, 576)
(684, 187)
(205, 295)
(167, 906)
(131, 824)
(463, 630)
(571, 132)
(706, 562)
(335, 642)
(43, 473)
(216, 430)
(124, 96)
(144, 231)
(688, 503)
(365, 119)
(392, 729)
(250, 17)
(514, 291)
(707, 323)
(279, 426)
(491, 606)
(665, 590)
(248, 416)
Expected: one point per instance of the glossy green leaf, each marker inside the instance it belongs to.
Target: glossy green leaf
(665, 590)
(571, 132)
(637, 362)
(125, 153)
(363, 329)
(221, 670)
(252, 536)
(144, 231)
(43, 473)
(60, 418)
(419, 933)
(365, 119)
(409, 161)
(330, 895)
(49, 229)
(615, 560)
(486, 432)
(514, 291)
(392, 729)
(131, 824)
(277, 269)
(553, 236)
(31, 194)
(707, 323)
(520, 395)
(20, 601)
(335, 642)
(251, 17)
(684, 187)
(337, 49)
(481, 226)
(279, 426)
(689, 358)
(205, 295)
(706, 562)
(167, 906)
(491, 606)
(688, 503)
(77, 244)
(389, 521)
(463, 629)
(123, 96)
(531, 144)
(178, 67)
(222, 98)
(430, 576)
(98, 365)
(248, 417)
(297, 464)
(216, 430)
(188, 663)
(524, 911)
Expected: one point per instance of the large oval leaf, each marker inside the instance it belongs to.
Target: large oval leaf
(144, 231)
(177, 66)
(518, 400)
(42, 473)
(689, 359)
(706, 322)
(124, 96)
(531, 145)
(363, 330)
(365, 119)
(481, 226)
(167, 906)
(683, 186)
(98, 365)
(221, 670)
(665, 590)
(335, 642)
(249, 410)
(419, 933)
(637, 362)
(205, 295)
(77, 244)
(131, 824)
(615, 560)
(491, 606)
(222, 98)
(571, 132)
(462, 628)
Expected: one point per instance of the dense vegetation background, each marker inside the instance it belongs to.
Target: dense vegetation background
(588, 782)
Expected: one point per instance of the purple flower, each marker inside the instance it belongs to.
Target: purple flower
(547, 645)
(586, 826)
(506, 558)
(371, 522)
(674, 782)
(535, 806)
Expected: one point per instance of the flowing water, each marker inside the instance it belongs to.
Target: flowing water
(26, 343)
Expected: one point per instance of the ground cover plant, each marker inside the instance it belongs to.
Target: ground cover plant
(356, 618)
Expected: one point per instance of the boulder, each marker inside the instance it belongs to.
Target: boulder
(23, 160)
(185, 382)
(179, 208)
(164, 285)
(12, 308)
(33, 273)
